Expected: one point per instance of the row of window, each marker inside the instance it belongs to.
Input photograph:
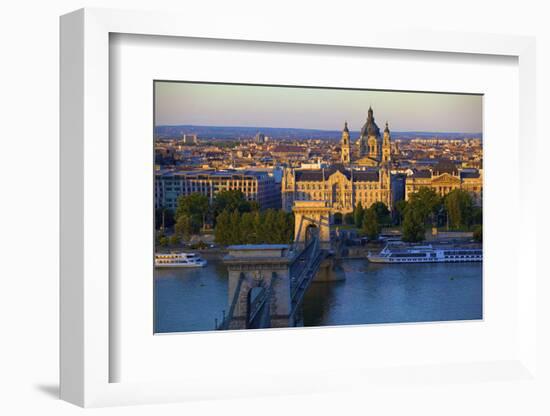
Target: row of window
(424, 259)
(306, 186)
(406, 260)
(212, 182)
(207, 189)
(473, 256)
(359, 195)
(400, 255)
(463, 252)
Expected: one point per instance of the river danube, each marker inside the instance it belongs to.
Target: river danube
(192, 299)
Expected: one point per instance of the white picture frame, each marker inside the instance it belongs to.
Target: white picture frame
(86, 356)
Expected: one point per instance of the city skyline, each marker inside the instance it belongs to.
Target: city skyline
(237, 105)
(370, 213)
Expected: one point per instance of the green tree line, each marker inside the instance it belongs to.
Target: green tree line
(267, 227)
(426, 208)
(195, 211)
(370, 220)
(235, 220)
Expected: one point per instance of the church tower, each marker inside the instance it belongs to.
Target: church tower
(369, 141)
(346, 146)
(386, 145)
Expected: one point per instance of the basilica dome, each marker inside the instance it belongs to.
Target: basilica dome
(370, 128)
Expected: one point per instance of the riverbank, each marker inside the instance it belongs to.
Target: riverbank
(349, 251)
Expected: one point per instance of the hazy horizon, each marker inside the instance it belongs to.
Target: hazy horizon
(304, 128)
(253, 106)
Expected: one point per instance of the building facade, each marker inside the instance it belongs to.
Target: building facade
(444, 178)
(190, 139)
(372, 149)
(342, 188)
(364, 174)
(256, 186)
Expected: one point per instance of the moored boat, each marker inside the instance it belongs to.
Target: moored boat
(179, 260)
(426, 254)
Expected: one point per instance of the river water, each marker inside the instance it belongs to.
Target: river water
(191, 299)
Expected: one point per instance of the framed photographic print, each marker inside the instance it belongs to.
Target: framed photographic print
(285, 213)
(302, 225)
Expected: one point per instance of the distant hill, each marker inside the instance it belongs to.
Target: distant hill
(235, 133)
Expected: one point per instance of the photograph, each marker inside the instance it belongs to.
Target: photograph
(282, 206)
(267, 207)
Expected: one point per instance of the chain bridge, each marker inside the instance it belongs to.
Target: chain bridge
(268, 282)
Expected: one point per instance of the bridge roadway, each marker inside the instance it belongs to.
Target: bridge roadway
(302, 269)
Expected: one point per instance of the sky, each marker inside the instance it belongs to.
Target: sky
(178, 103)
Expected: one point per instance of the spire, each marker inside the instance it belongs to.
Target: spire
(387, 129)
(346, 127)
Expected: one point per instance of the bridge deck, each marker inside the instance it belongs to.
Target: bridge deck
(302, 267)
(304, 281)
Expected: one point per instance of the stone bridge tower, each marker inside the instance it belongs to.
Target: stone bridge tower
(256, 271)
(311, 217)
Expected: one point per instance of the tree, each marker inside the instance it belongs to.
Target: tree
(254, 205)
(164, 215)
(426, 203)
(358, 215)
(400, 207)
(270, 227)
(459, 207)
(174, 239)
(235, 232)
(195, 206)
(349, 219)
(222, 233)
(371, 227)
(186, 226)
(281, 227)
(337, 218)
(477, 215)
(382, 212)
(413, 226)
(478, 233)
(231, 200)
(158, 236)
(257, 224)
(246, 226)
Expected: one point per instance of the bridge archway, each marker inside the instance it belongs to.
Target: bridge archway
(310, 216)
(312, 231)
(267, 282)
(258, 286)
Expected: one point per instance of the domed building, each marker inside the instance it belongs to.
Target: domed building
(371, 148)
(364, 175)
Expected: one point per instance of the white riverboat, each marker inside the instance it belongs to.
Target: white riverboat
(426, 254)
(179, 260)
